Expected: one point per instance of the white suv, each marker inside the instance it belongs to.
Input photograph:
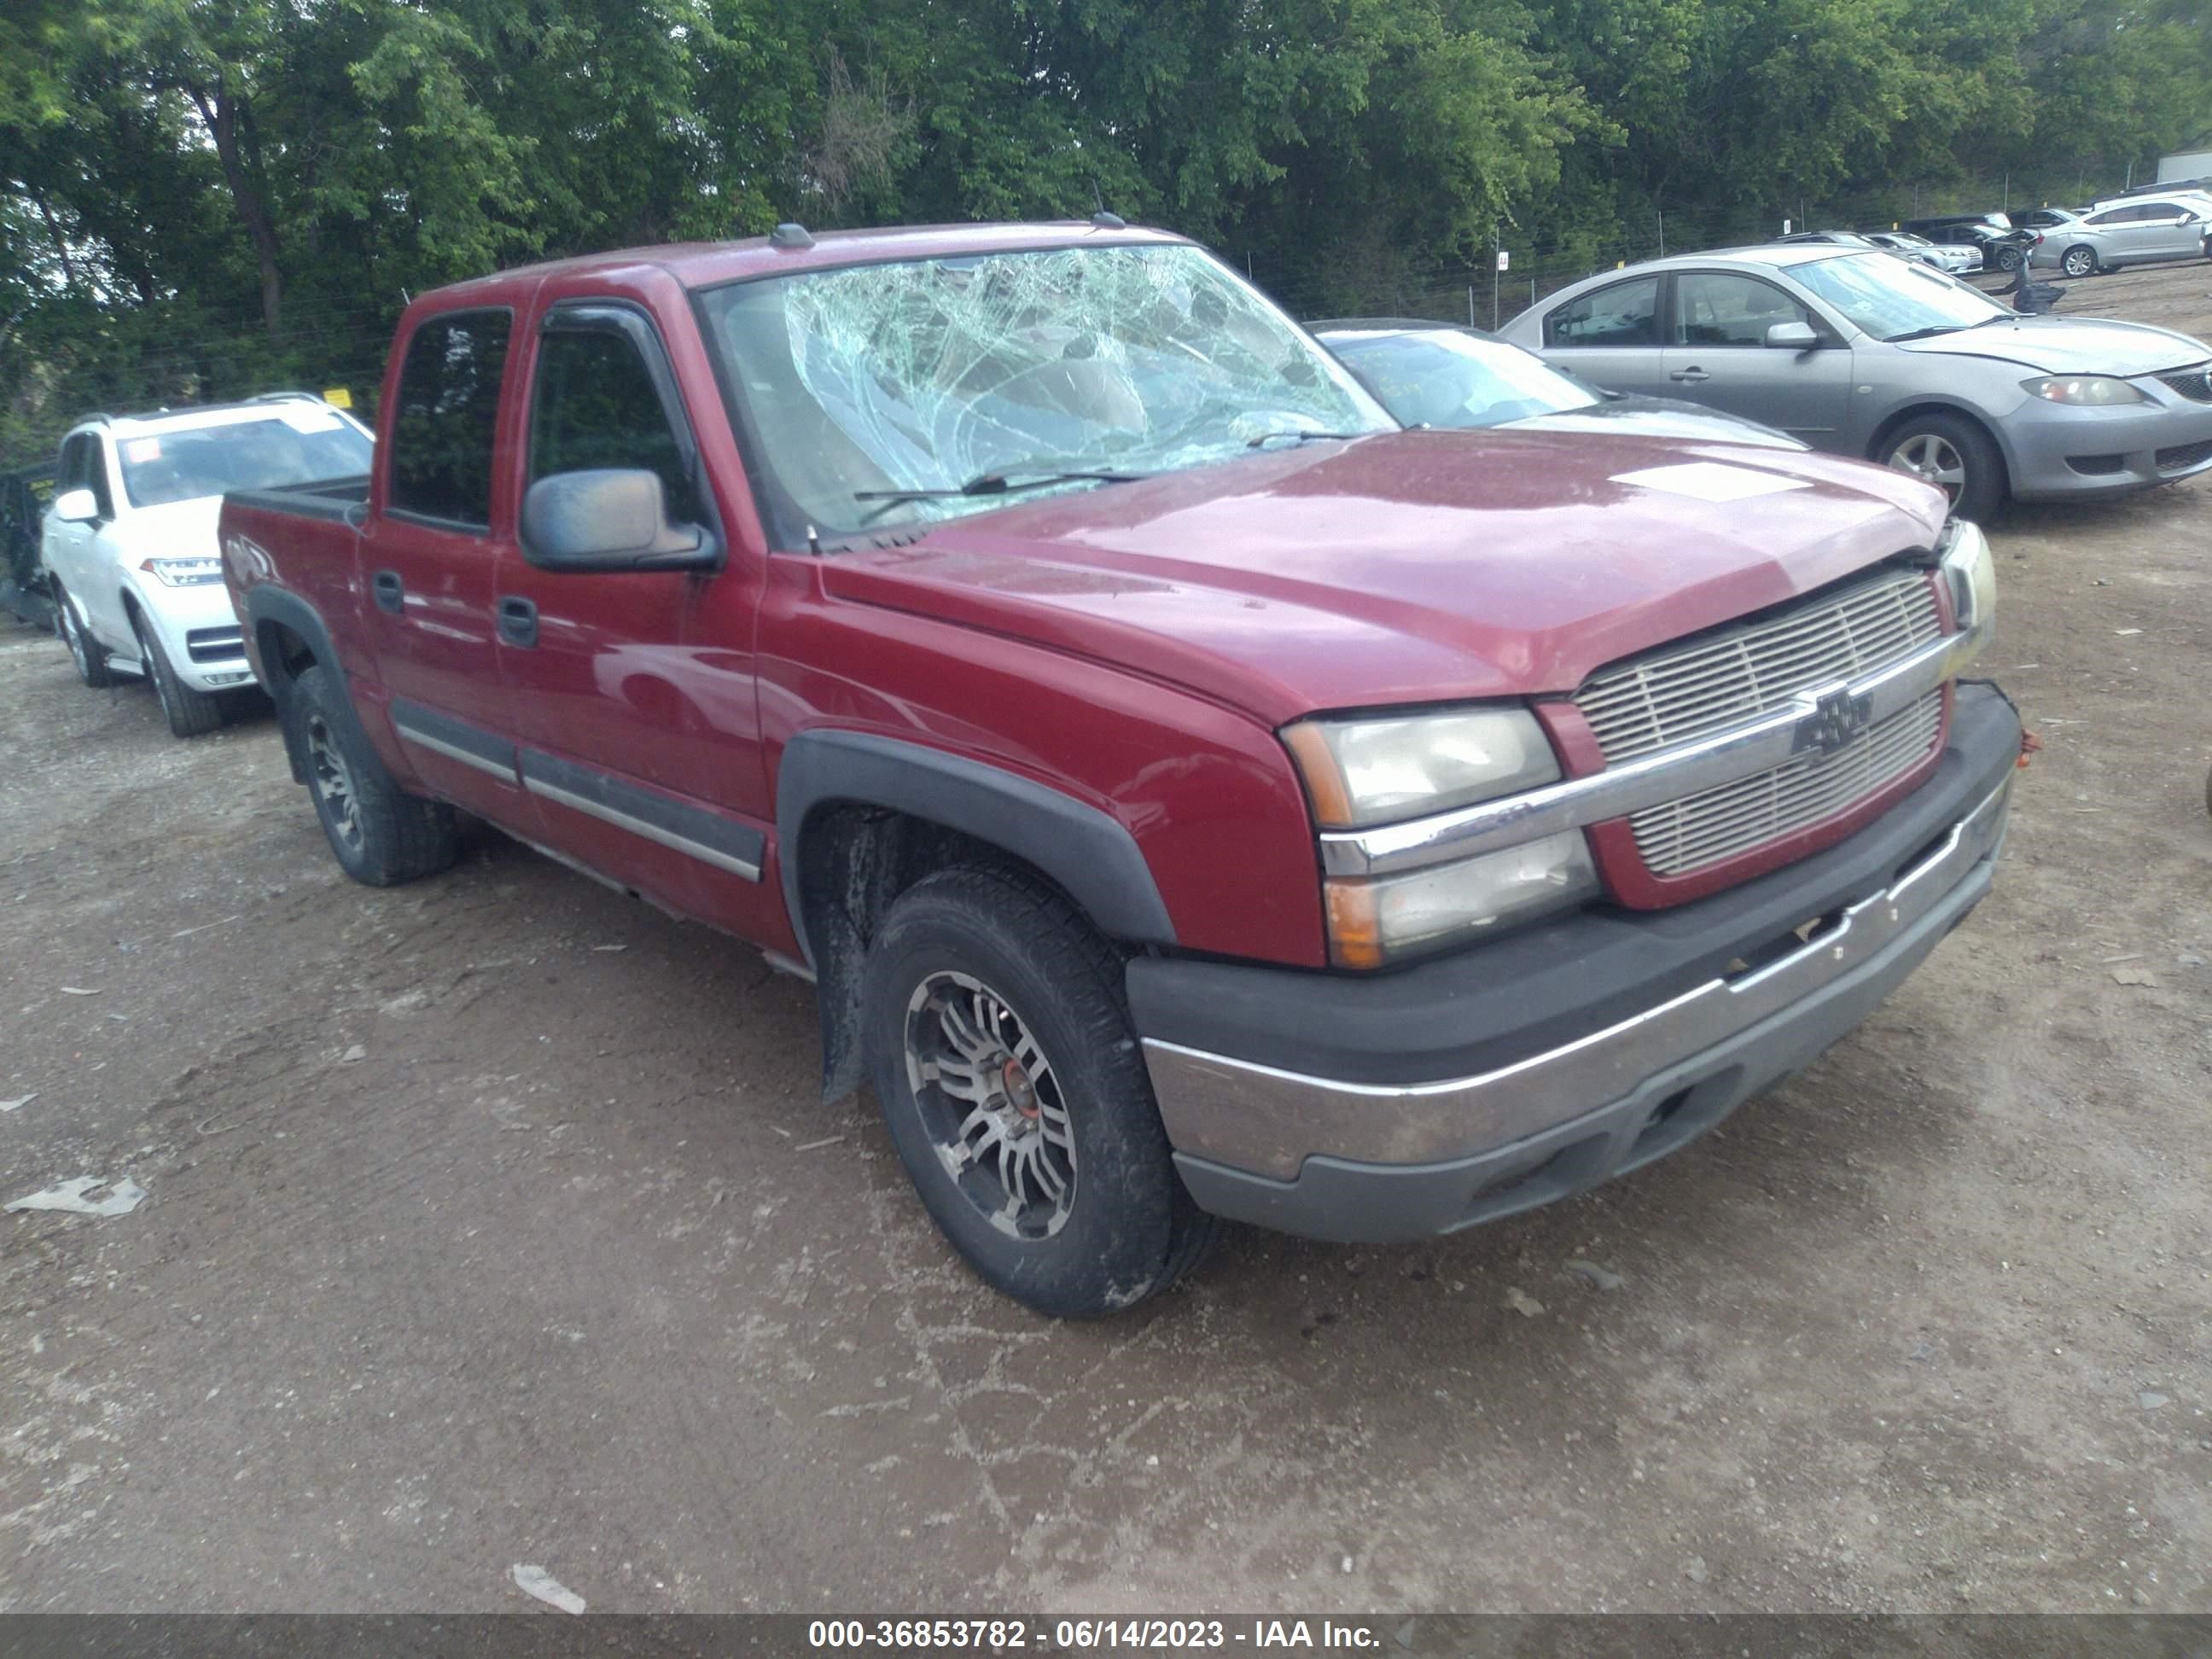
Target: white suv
(129, 540)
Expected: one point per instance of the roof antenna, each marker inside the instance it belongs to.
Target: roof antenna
(1102, 220)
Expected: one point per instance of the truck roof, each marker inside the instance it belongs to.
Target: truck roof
(708, 264)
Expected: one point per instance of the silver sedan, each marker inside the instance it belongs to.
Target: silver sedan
(1863, 353)
(2117, 233)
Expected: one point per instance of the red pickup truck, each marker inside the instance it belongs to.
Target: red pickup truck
(1192, 795)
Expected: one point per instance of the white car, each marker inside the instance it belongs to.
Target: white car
(129, 544)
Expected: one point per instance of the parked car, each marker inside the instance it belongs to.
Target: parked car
(1831, 238)
(1191, 794)
(2137, 232)
(1862, 354)
(2003, 244)
(1442, 374)
(1957, 258)
(128, 543)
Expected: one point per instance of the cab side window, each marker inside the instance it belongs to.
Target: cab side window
(442, 430)
(1624, 314)
(594, 405)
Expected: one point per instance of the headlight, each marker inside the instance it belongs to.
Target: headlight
(1971, 575)
(1363, 772)
(184, 573)
(2083, 391)
(1376, 921)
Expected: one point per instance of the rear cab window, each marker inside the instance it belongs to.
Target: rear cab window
(446, 419)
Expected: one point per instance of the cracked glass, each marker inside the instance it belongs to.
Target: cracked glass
(973, 376)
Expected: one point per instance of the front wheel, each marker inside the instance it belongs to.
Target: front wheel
(89, 656)
(1952, 454)
(1014, 1088)
(190, 713)
(382, 836)
(2009, 258)
(2079, 262)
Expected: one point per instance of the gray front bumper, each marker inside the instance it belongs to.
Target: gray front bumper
(1465, 1150)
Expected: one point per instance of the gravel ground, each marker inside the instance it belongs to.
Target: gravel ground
(490, 1223)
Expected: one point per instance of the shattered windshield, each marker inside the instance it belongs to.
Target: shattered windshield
(904, 393)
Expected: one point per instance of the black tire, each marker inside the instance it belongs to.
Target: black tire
(1125, 1228)
(191, 714)
(2079, 261)
(1981, 486)
(2009, 258)
(89, 655)
(387, 835)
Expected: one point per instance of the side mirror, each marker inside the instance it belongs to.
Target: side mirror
(78, 505)
(609, 519)
(1792, 336)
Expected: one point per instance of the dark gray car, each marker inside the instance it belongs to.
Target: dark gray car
(1865, 354)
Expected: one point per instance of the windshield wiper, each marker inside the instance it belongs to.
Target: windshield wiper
(1923, 333)
(1300, 436)
(996, 484)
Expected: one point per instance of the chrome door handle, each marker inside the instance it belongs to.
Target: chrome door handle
(1690, 376)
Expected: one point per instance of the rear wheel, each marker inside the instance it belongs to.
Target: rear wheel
(1955, 455)
(190, 713)
(2079, 262)
(1014, 1088)
(381, 835)
(87, 653)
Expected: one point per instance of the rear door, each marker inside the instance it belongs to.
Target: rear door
(1717, 354)
(441, 525)
(639, 725)
(1611, 335)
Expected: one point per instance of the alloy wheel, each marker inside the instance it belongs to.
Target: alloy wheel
(991, 1104)
(1933, 459)
(333, 782)
(2080, 262)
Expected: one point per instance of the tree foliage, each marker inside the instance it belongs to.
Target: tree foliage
(201, 198)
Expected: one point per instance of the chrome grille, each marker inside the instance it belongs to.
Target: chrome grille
(1682, 692)
(2194, 383)
(1687, 834)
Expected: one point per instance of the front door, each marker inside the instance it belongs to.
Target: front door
(1717, 354)
(430, 557)
(639, 726)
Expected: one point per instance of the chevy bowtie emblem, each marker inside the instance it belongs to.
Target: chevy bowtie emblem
(1837, 718)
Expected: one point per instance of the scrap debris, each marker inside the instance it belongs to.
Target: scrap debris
(125, 1196)
(20, 1100)
(536, 1581)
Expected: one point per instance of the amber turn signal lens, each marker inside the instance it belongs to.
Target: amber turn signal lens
(1332, 801)
(1355, 925)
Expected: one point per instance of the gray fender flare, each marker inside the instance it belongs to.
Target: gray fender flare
(1091, 855)
(264, 603)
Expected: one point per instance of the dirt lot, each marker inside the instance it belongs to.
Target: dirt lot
(486, 1227)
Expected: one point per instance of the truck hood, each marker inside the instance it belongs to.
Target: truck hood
(2069, 345)
(1409, 567)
